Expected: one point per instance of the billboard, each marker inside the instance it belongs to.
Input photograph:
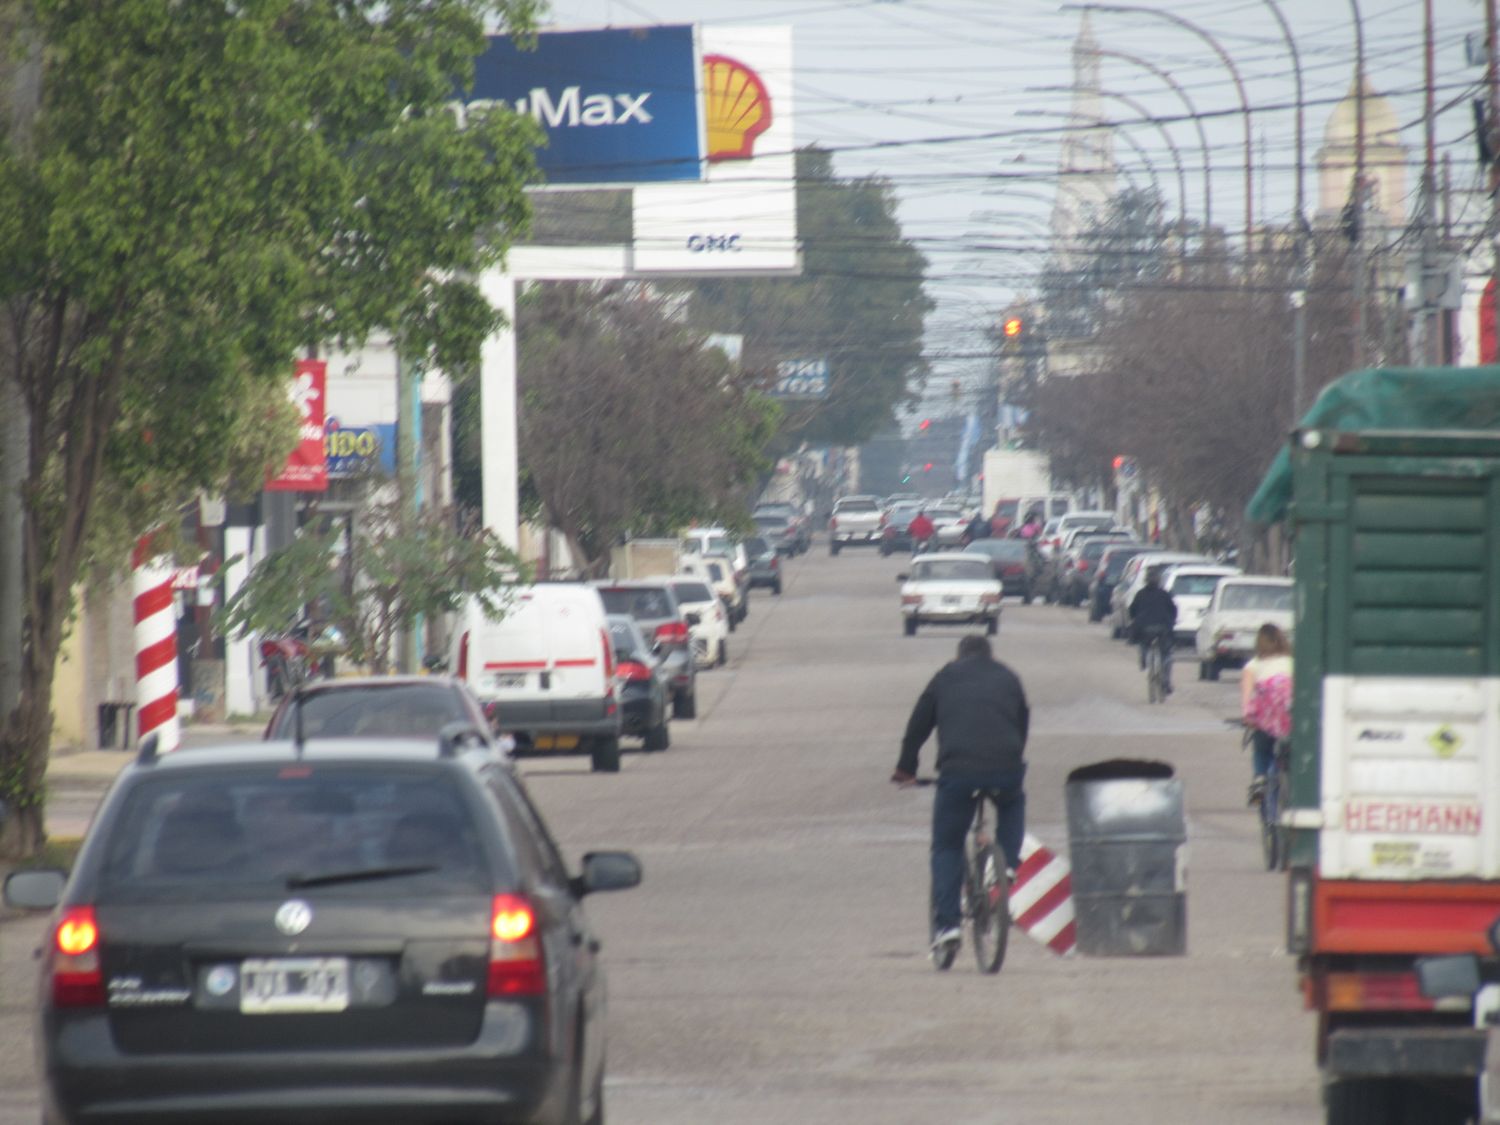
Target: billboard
(618, 106)
(352, 450)
(743, 217)
(801, 379)
(306, 466)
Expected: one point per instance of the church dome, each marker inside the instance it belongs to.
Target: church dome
(1381, 124)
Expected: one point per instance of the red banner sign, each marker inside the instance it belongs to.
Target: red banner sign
(307, 465)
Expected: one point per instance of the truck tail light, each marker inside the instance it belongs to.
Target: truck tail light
(1378, 992)
(516, 965)
(77, 978)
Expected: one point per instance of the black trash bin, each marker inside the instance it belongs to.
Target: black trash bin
(1127, 842)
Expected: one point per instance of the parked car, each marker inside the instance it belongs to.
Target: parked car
(855, 523)
(544, 670)
(1073, 568)
(1241, 604)
(1107, 572)
(895, 528)
(641, 679)
(780, 532)
(949, 523)
(718, 542)
(718, 572)
(1009, 513)
(1192, 587)
(1133, 577)
(1013, 561)
(795, 516)
(654, 607)
(1051, 541)
(708, 624)
(280, 931)
(380, 707)
(765, 565)
(950, 587)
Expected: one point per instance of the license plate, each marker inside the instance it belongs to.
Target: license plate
(952, 600)
(280, 985)
(510, 680)
(556, 742)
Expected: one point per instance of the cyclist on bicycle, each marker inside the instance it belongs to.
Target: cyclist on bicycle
(1265, 701)
(979, 709)
(1153, 616)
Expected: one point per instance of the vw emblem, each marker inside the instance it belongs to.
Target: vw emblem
(293, 916)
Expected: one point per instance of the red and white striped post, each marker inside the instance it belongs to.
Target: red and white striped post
(1041, 898)
(155, 647)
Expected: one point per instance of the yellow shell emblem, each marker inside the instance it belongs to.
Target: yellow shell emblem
(736, 107)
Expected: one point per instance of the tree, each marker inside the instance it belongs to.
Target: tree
(628, 424)
(859, 302)
(376, 579)
(200, 190)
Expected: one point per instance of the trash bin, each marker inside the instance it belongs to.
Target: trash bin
(1127, 842)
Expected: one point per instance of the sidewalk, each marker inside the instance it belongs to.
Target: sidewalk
(95, 769)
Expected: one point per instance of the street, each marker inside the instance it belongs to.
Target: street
(772, 966)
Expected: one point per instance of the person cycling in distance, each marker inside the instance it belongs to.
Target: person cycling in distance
(1152, 610)
(979, 709)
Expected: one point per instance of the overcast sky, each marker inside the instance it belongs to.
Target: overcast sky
(878, 78)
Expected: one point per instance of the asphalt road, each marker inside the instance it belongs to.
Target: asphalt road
(772, 967)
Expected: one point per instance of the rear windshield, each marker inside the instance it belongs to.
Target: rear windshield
(944, 570)
(1115, 564)
(623, 637)
(384, 711)
(1268, 597)
(1195, 584)
(647, 604)
(1006, 509)
(692, 592)
(220, 834)
(772, 523)
(855, 506)
(756, 546)
(716, 571)
(1095, 547)
(1000, 548)
(944, 514)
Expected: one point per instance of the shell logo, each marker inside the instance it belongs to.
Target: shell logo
(736, 107)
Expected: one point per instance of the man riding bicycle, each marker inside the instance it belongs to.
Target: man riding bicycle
(1153, 616)
(979, 709)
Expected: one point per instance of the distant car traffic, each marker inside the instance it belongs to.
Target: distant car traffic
(765, 565)
(641, 678)
(308, 932)
(1241, 604)
(855, 523)
(1073, 567)
(949, 523)
(654, 607)
(1013, 561)
(950, 587)
(780, 532)
(1107, 572)
(795, 517)
(1134, 576)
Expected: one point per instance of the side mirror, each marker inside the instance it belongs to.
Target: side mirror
(903, 578)
(693, 619)
(35, 890)
(607, 871)
(1458, 975)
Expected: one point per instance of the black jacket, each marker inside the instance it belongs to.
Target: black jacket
(1152, 606)
(980, 712)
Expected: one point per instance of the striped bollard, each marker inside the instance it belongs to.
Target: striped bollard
(1041, 897)
(155, 647)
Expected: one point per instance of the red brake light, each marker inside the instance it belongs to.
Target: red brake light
(463, 656)
(672, 632)
(609, 655)
(632, 671)
(77, 980)
(833, 523)
(775, 562)
(516, 966)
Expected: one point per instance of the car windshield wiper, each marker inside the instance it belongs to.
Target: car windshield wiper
(357, 875)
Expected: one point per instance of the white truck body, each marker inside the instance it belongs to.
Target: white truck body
(1011, 473)
(646, 558)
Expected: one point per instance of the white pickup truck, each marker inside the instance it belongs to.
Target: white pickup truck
(856, 522)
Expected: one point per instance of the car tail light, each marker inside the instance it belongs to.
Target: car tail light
(989, 599)
(833, 523)
(632, 671)
(1083, 564)
(77, 979)
(672, 633)
(1015, 568)
(609, 655)
(463, 656)
(775, 562)
(911, 599)
(516, 965)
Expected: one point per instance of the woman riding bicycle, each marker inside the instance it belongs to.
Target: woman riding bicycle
(1266, 701)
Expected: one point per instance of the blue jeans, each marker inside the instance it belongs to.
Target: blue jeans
(1262, 750)
(952, 814)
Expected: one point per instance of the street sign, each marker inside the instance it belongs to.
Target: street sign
(801, 379)
(618, 106)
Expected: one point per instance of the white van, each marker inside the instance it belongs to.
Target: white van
(548, 667)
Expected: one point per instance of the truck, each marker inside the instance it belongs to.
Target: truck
(646, 558)
(1390, 492)
(1014, 474)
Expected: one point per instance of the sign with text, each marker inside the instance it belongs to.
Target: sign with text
(801, 379)
(306, 466)
(618, 106)
(352, 450)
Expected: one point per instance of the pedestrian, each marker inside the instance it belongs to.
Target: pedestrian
(979, 709)
(1266, 701)
(979, 528)
(1032, 527)
(920, 529)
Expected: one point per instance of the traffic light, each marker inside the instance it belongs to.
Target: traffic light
(906, 479)
(927, 468)
(1013, 327)
(926, 422)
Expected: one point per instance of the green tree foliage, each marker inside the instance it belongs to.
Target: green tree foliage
(859, 303)
(200, 190)
(628, 425)
(375, 580)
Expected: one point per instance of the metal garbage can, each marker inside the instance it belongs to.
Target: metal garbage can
(1127, 843)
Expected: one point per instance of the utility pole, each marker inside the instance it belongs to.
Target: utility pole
(408, 479)
(1492, 130)
(1358, 194)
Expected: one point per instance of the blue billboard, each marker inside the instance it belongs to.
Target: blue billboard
(618, 106)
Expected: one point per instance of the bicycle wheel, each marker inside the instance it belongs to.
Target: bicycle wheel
(989, 906)
(1153, 674)
(1279, 828)
(1272, 800)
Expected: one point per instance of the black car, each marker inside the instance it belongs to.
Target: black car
(641, 683)
(321, 931)
(1014, 562)
(765, 564)
(655, 609)
(1107, 574)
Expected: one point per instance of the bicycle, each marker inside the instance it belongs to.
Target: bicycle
(1272, 800)
(984, 894)
(1158, 654)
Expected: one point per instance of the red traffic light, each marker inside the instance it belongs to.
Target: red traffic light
(927, 468)
(925, 423)
(1013, 326)
(1119, 461)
